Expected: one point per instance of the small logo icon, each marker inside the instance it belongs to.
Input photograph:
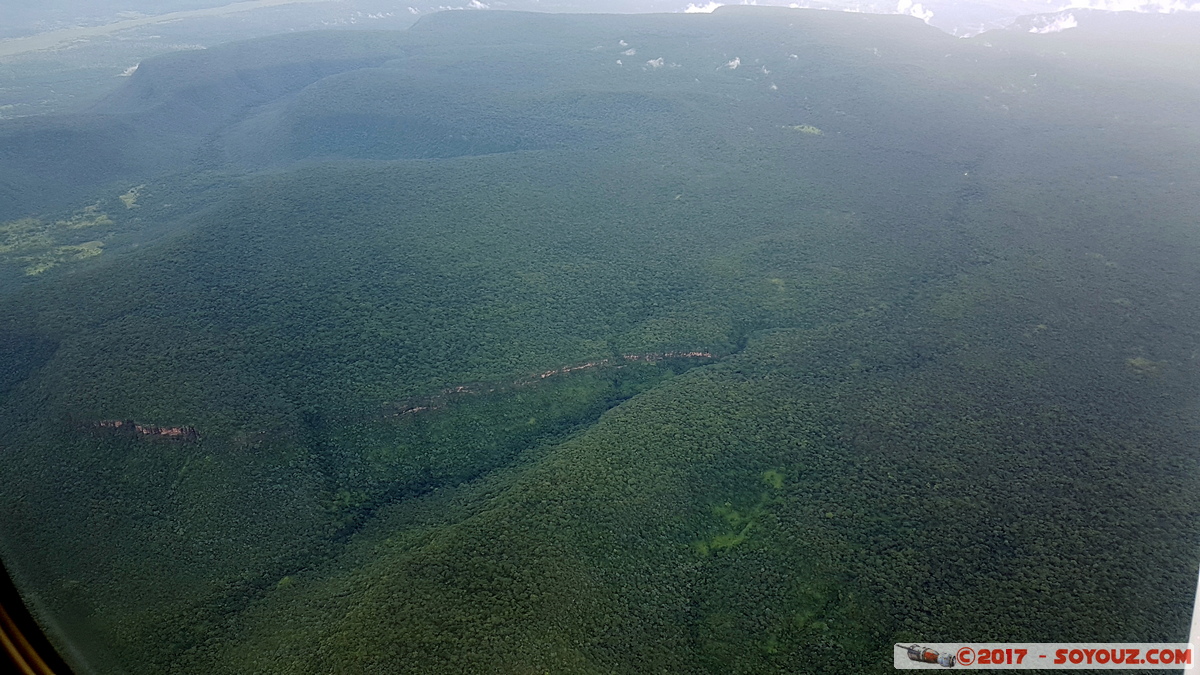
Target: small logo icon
(927, 655)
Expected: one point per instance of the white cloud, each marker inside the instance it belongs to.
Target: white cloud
(917, 10)
(1145, 6)
(924, 12)
(414, 10)
(623, 43)
(732, 65)
(629, 52)
(655, 63)
(476, 4)
(130, 70)
(1059, 24)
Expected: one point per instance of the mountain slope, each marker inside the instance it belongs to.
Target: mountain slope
(791, 336)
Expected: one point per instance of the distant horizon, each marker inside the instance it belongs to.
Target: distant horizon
(54, 23)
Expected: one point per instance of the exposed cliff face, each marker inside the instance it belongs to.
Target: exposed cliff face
(439, 400)
(150, 431)
(190, 434)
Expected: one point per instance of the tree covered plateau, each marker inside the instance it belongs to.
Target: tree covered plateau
(749, 342)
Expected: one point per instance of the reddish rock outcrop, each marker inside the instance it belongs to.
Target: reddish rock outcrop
(439, 400)
(150, 431)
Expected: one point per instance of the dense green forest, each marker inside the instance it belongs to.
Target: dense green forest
(750, 342)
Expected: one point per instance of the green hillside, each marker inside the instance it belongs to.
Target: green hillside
(749, 342)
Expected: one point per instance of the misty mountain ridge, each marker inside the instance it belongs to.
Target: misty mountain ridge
(273, 100)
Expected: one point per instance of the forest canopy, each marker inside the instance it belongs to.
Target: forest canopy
(749, 342)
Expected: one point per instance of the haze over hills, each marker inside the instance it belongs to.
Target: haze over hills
(61, 56)
(190, 96)
(752, 341)
(959, 18)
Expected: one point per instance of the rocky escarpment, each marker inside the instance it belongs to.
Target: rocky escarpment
(149, 431)
(439, 400)
(413, 406)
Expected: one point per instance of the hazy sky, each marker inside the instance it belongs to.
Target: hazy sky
(25, 17)
(968, 16)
